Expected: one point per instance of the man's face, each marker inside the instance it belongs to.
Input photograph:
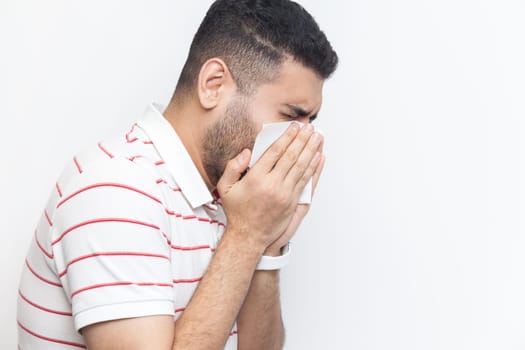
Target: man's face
(296, 94)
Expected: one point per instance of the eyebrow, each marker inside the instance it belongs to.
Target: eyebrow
(301, 112)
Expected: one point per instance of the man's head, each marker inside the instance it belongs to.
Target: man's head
(253, 62)
(253, 38)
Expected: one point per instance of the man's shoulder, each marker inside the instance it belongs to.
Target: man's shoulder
(129, 158)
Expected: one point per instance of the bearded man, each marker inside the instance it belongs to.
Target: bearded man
(161, 238)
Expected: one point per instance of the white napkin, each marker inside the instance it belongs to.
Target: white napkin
(266, 137)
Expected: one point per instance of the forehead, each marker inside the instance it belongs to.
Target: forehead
(295, 85)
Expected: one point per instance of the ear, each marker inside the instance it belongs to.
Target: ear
(214, 83)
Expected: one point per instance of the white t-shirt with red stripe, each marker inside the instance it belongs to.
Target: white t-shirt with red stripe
(128, 231)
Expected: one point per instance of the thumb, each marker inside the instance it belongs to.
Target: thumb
(233, 171)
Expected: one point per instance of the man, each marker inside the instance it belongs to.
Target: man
(166, 222)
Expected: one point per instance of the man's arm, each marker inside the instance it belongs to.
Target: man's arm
(260, 324)
(209, 317)
(259, 208)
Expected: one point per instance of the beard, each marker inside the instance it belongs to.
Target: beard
(224, 140)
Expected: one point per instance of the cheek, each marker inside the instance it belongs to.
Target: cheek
(263, 113)
(239, 134)
(246, 135)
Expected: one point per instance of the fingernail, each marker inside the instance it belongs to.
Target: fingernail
(295, 126)
(316, 136)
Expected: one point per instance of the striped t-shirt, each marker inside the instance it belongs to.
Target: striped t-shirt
(128, 231)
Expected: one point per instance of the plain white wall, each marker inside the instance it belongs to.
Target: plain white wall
(416, 236)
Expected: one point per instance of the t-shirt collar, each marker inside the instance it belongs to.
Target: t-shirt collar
(176, 157)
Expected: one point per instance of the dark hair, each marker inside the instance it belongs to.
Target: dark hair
(254, 37)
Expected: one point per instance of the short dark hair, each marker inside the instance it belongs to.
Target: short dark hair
(253, 38)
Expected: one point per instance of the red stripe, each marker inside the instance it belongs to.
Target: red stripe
(107, 185)
(77, 164)
(233, 333)
(191, 280)
(176, 247)
(132, 158)
(171, 212)
(47, 217)
(95, 221)
(206, 220)
(41, 307)
(49, 255)
(40, 277)
(217, 222)
(83, 257)
(53, 340)
(180, 310)
(209, 208)
(174, 189)
(200, 247)
(160, 162)
(140, 284)
(166, 237)
(193, 217)
(105, 150)
(148, 142)
(128, 139)
(58, 189)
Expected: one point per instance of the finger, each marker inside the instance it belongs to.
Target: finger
(307, 174)
(321, 146)
(233, 171)
(293, 153)
(304, 160)
(267, 161)
(300, 213)
(317, 174)
(291, 229)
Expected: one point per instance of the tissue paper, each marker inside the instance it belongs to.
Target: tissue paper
(266, 137)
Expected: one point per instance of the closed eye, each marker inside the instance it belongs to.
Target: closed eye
(297, 112)
(294, 117)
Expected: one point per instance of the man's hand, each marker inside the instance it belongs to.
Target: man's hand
(300, 212)
(263, 204)
(259, 322)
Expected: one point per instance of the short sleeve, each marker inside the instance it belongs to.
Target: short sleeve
(109, 243)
